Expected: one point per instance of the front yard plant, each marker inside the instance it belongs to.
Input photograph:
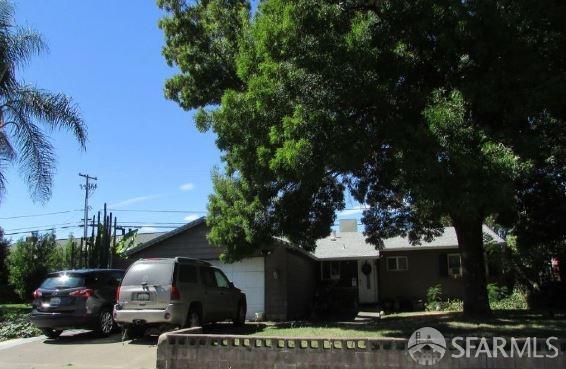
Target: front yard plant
(15, 322)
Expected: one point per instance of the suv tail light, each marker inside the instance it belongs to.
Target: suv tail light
(117, 293)
(36, 294)
(86, 293)
(175, 295)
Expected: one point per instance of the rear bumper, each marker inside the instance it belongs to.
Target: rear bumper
(62, 320)
(174, 314)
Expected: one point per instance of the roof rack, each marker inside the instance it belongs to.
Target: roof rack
(182, 259)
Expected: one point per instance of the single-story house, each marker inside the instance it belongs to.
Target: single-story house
(283, 282)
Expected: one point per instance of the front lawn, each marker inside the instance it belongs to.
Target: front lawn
(15, 322)
(506, 323)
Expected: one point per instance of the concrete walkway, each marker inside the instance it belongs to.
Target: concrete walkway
(78, 349)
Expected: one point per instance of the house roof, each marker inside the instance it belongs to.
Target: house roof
(345, 245)
(143, 245)
(140, 238)
(353, 245)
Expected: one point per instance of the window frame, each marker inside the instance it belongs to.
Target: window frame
(331, 275)
(221, 273)
(450, 274)
(397, 264)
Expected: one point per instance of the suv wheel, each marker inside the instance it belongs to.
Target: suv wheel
(194, 319)
(51, 333)
(241, 314)
(105, 323)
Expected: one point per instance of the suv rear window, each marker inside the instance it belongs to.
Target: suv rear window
(63, 281)
(150, 273)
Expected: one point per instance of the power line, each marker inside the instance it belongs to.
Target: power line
(42, 230)
(43, 226)
(39, 215)
(158, 211)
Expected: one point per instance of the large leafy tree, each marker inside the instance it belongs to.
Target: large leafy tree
(421, 109)
(24, 107)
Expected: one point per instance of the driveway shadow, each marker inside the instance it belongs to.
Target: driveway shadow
(144, 341)
(83, 337)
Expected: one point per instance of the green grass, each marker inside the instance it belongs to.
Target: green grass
(517, 323)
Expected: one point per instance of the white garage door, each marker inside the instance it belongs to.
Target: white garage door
(249, 276)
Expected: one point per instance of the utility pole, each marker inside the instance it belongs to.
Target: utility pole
(88, 187)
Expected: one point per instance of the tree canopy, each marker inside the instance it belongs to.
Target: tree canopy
(421, 109)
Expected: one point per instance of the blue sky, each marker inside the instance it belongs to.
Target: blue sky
(143, 148)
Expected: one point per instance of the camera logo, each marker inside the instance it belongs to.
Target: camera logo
(427, 346)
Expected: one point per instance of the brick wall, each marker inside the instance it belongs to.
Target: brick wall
(190, 349)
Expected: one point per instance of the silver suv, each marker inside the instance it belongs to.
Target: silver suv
(160, 294)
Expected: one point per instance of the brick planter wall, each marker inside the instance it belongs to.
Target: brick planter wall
(190, 349)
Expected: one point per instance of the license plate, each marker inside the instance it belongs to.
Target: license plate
(142, 296)
(55, 301)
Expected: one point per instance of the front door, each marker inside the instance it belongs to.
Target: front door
(367, 281)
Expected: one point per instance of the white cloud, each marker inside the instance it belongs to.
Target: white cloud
(191, 217)
(133, 200)
(352, 211)
(187, 186)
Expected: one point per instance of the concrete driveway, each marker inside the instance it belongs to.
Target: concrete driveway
(78, 349)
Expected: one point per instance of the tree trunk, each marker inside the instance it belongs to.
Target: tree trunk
(470, 241)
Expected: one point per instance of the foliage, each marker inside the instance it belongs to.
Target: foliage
(6, 292)
(29, 262)
(499, 299)
(433, 296)
(15, 323)
(23, 106)
(421, 110)
(65, 256)
(515, 301)
(126, 243)
(496, 292)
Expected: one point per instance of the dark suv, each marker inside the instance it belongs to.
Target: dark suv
(76, 299)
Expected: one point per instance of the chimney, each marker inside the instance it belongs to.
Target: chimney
(348, 225)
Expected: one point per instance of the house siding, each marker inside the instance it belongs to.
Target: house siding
(276, 284)
(302, 273)
(423, 272)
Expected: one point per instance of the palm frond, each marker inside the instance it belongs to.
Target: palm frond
(23, 44)
(36, 159)
(6, 13)
(54, 109)
(7, 155)
(7, 151)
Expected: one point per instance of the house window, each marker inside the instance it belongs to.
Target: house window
(397, 263)
(454, 265)
(330, 270)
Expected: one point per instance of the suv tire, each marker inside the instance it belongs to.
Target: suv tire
(240, 318)
(104, 323)
(51, 333)
(194, 319)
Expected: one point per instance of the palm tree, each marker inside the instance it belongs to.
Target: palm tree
(23, 108)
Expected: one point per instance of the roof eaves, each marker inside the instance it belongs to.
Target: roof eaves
(165, 236)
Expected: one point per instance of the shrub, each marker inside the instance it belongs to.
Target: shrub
(496, 293)
(499, 299)
(28, 264)
(433, 297)
(515, 301)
